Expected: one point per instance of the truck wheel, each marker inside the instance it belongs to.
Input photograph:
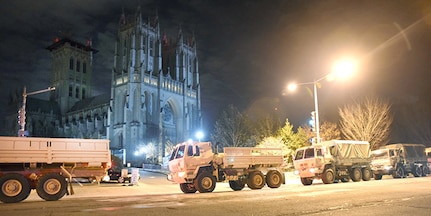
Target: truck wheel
(378, 176)
(366, 174)
(426, 171)
(14, 188)
(205, 182)
(236, 185)
(187, 188)
(417, 171)
(273, 179)
(328, 176)
(306, 181)
(51, 186)
(356, 174)
(399, 172)
(256, 180)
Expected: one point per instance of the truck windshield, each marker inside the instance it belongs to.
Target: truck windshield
(177, 153)
(309, 153)
(299, 154)
(379, 154)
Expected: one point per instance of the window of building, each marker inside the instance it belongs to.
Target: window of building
(70, 90)
(78, 65)
(151, 47)
(84, 67)
(77, 92)
(71, 64)
(83, 93)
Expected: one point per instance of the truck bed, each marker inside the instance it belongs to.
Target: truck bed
(85, 152)
(244, 157)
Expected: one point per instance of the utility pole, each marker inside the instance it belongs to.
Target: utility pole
(21, 111)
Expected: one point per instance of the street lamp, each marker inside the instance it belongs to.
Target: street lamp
(342, 69)
(21, 112)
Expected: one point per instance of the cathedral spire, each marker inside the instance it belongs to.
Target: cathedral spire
(123, 18)
(180, 35)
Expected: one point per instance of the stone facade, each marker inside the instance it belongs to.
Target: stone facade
(154, 101)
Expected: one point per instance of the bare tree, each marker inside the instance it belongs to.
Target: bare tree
(231, 129)
(369, 120)
(329, 131)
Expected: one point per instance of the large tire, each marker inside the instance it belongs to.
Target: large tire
(236, 185)
(187, 188)
(328, 176)
(366, 174)
(51, 186)
(274, 179)
(378, 176)
(426, 171)
(14, 188)
(398, 173)
(205, 182)
(256, 180)
(306, 181)
(356, 174)
(417, 172)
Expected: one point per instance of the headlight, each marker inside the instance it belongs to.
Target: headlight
(312, 170)
(106, 178)
(169, 177)
(181, 174)
(296, 172)
(388, 167)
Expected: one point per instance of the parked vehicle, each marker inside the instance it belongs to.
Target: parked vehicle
(48, 165)
(399, 160)
(196, 168)
(428, 153)
(333, 160)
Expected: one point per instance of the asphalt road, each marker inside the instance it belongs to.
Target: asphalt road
(154, 195)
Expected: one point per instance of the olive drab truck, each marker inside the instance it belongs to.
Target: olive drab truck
(399, 160)
(335, 160)
(197, 168)
(48, 165)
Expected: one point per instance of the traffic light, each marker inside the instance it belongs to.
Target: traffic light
(313, 121)
(21, 116)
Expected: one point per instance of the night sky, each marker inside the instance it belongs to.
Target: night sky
(248, 50)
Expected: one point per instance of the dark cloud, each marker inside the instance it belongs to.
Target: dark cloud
(247, 50)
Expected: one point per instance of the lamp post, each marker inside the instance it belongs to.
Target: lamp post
(341, 69)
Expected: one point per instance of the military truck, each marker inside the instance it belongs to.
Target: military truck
(399, 160)
(335, 160)
(48, 165)
(196, 167)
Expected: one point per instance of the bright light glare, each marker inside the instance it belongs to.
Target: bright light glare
(344, 69)
(292, 87)
(199, 135)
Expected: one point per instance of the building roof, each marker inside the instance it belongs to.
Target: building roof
(92, 102)
(59, 43)
(42, 106)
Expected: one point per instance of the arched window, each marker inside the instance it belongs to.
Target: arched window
(78, 65)
(71, 63)
(84, 67)
(77, 92)
(70, 90)
(83, 93)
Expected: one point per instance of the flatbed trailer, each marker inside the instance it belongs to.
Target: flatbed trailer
(48, 165)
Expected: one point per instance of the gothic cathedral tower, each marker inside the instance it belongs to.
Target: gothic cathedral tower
(71, 72)
(155, 94)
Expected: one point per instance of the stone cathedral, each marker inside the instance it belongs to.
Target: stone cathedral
(154, 101)
(155, 95)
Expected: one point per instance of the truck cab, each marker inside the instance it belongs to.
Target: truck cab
(187, 158)
(333, 160)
